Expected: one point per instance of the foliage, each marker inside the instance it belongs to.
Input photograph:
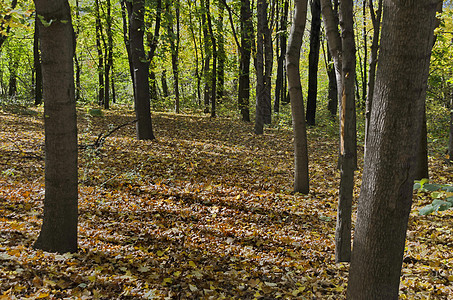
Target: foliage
(441, 195)
(205, 212)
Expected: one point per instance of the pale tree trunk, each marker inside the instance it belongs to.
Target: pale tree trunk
(301, 179)
(342, 49)
(140, 63)
(397, 111)
(59, 228)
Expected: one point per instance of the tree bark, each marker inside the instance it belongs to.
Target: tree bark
(108, 55)
(99, 33)
(37, 66)
(140, 63)
(376, 21)
(450, 140)
(280, 90)
(386, 193)
(313, 59)
(301, 179)
(244, 61)
(59, 228)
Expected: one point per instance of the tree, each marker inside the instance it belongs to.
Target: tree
(313, 59)
(263, 65)
(37, 79)
(397, 112)
(342, 48)
(450, 136)
(4, 29)
(140, 67)
(280, 81)
(59, 228)
(244, 59)
(100, 67)
(301, 180)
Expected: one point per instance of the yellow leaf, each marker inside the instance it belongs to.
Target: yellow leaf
(168, 280)
(42, 295)
(177, 273)
(192, 264)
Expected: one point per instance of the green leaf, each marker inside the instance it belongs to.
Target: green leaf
(428, 209)
(44, 21)
(417, 186)
(431, 187)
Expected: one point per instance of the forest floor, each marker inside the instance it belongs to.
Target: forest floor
(204, 212)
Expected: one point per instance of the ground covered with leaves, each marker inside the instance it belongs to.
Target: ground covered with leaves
(204, 212)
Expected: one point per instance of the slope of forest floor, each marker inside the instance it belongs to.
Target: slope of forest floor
(204, 212)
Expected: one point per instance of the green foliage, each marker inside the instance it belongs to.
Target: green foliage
(441, 195)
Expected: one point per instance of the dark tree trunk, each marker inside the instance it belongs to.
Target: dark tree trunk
(197, 70)
(37, 66)
(12, 86)
(244, 62)
(174, 48)
(221, 56)
(99, 33)
(108, 55)
(214, 61)
(78, 86)
(262, 101)
(376, 21)
(280, 90)
(422, 171)
(164, 84)
(59, 227)
(207, 58)
(140, 63)
(388, 176)
(313, 59)
(450, 140)
(301, 179)
(332, 94)
(126, 34)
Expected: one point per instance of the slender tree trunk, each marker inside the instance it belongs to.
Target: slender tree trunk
(140, 63)
(422, 171)
(78, 86)
(388, 176)
(126, 34)
(108, 55)
(332, 94)
(450, 140)
(37, 65)
(343, 53)
(59, 227)
(207, 57)
(268, 65)
(244, 62)
(261, 91)
(221, 56)
(194, 39)
(164, 83)
(280, 90)
(301, 179)
(99, 33)
(174, 47)
(313, 59)
(365, 54)
(214, 61)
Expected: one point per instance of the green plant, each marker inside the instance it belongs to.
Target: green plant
(441, 195)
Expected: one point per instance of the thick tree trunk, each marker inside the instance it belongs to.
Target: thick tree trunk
(140, 65)
(386, 193)
(313, 59)
(301, 180)
(376, 20)
(244, 61)
(59, 228)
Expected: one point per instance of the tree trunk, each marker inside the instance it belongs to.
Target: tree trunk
(214, 61)
(280, 90)
(78, 86)
(140, 63)
(313, 59)
(376, 21)
(59, 227)
(343, 52)
(126, 25)
(244, 62)
(99, 33)
(163, 80)
(261, 100)
(37, 65)
(221, 55)
(108, 55)
(450, 139)
(301, 180)
(422, 171)
(388, 176)
(207, 58)
(332, 94)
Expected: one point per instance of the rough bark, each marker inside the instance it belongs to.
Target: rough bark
(376, 21)
(244, 61)
(313, 59)
(386, 192)
(59, 228)
(140, 63)
(301, 179)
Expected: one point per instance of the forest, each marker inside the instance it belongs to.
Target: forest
(227, 149)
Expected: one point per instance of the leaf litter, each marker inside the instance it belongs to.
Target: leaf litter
(204, 212)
